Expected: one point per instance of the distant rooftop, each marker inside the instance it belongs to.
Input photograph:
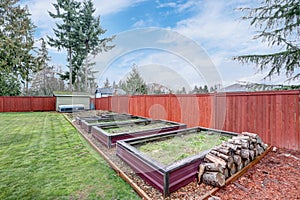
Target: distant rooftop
(110, 91)
(68, 93)
(237, 87)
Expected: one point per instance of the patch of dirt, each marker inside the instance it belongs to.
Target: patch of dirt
(140, 126)
(276, 176)
(72, 116)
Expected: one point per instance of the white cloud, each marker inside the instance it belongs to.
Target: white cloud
(189, 5)
(158, 47)
(104, 7)
(218, 28)
(139, 23)
(142, 23)
(40, 17)
(165, 5)
(178, 6)
(214, 25)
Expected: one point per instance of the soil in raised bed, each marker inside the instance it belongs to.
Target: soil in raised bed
(176, 148)
(134, 127)
(113, 121)
(92, 113)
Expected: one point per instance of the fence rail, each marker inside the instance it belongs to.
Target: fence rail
(273, 115)
(26, 104)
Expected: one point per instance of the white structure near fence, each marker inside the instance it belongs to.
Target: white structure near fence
(73, 99)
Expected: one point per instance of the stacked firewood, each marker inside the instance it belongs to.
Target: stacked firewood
(230, 157)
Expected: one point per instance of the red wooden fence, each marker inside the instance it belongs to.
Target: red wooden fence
(26, 104)
(273, 115)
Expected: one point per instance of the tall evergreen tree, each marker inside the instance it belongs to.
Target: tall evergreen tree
(43, 59)
(86, 73)
(16, 44)
(66, 35)
(279, 23)
(90, 31)
(9, 85)
(45, 81)
(80, 35)
(47, 76)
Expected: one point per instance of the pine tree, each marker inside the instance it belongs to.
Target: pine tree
(80, 35)
(200, 89)
(66, 35)
(89, 34)
(279, 22)
(49, 77)
(134, 84)
(43, 60)
(9, 85)
(45, 80)
(195, 90)
(16, 44)
(183, 90)
(114, 85)
(86, 73)
(106, 84)
(205, 89)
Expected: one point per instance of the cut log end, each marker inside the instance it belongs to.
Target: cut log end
(214, 178)
(213, 167)
(200, 173)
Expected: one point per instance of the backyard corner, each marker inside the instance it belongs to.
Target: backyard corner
(42, 156)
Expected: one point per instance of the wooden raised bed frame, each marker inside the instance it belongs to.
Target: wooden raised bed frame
(110, 140)
(165, 178)
(110, 120)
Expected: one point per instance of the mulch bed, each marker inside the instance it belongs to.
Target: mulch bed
(276, 176)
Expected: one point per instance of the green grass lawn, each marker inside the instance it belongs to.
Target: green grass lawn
(42, 156)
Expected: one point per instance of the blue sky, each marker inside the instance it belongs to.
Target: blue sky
(215, 26)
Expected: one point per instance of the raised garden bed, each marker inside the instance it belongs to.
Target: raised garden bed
(110, 120)
(110, 134)
(102, 117)
(170, 160)
(80, 119)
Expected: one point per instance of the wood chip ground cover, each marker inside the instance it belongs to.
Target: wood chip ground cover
(276, 176)
(43, 157)
(179, 147)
